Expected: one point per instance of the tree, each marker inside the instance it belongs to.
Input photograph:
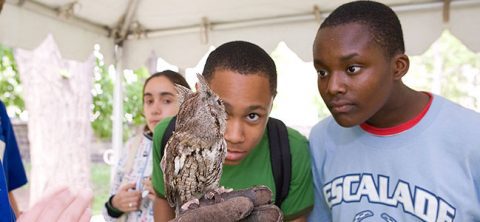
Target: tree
(10, 86)
(102, 92)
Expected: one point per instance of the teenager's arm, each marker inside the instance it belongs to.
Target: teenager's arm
(162, 212)
(300, 219)
(13, 204)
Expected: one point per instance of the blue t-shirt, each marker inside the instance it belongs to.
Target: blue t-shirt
(430, 172)
(12, 172)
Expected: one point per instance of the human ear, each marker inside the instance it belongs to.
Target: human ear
(401, 64)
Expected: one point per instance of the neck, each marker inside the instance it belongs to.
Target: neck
(402, 105)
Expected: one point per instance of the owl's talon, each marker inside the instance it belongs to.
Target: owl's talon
(191, 204)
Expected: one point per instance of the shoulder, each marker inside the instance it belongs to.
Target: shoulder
(456, 112)
(453, 119)
(322, 126)
(320, 130)
(160, 129)
(3, 112)
(298, 143)
(296, 137)
(2, 106)
(134, 140)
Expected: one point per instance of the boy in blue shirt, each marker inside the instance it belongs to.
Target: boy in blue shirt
(388, 153)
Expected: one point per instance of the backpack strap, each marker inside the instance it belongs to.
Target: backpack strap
(168, 133)
(281, 158)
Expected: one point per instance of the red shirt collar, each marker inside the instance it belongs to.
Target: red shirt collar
(401, 127)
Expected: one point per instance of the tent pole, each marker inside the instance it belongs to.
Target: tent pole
(117, 127)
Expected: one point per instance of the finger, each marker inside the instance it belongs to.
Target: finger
(75, 210)
(147, 182)
(233, 209)
(87, 214)
(56, 206)
(130, 204)
(265, 213)
(128, 186)
(132, 194)
(36, 210)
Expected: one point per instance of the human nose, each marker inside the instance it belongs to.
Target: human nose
(157, 108)
(234, 133)
(336, 84)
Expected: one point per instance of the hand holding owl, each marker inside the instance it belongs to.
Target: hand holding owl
(252, 204)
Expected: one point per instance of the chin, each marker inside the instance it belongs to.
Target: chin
(232, 162)
(346, 122)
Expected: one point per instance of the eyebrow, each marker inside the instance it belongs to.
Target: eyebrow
(342, 58)
(161, 94)
(348, 56)
(249, 108)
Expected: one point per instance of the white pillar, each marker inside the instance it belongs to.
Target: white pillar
(117, 126)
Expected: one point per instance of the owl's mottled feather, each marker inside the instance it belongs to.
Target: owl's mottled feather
(194, 155)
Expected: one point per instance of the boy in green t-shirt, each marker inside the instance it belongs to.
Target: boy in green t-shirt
(245, 78)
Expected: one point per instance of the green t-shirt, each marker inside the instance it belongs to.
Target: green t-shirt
(256, 169)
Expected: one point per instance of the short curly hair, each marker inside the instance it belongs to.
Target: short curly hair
(383, 23)
(244, 58)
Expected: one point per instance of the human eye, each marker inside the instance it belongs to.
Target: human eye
(148, 101)
(252, 117)
(353, 69)
(322, 73)
(167, 101)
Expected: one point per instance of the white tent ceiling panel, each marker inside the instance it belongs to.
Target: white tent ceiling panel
(420, 30)
(104, 12)
(181, 50)
(465, 25)
(185, 50)
(178, 14)
(173, 28)
(20, 28)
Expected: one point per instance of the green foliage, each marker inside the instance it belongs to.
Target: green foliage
(133, 100)
(102, 100)
(102, 112)
(10, 87)
(449, 67)
(100, 184)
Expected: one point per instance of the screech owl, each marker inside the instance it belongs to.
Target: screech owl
(194, 154)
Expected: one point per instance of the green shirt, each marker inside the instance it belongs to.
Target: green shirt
(256, 169)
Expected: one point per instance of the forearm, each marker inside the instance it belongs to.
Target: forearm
(13, 204)
(162, 212)
(300, 219)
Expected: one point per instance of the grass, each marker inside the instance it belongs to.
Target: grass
(100, 178)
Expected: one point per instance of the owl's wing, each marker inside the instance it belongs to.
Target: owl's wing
(168, 168)
(180, 168)
(216, 159)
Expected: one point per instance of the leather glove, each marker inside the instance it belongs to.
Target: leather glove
(252, 204)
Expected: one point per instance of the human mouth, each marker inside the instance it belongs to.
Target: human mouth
(154, 122)
(235, 155)
(341, 107)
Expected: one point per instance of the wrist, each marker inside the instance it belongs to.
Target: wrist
(111, 210)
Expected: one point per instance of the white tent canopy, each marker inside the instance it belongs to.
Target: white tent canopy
(181, 32)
